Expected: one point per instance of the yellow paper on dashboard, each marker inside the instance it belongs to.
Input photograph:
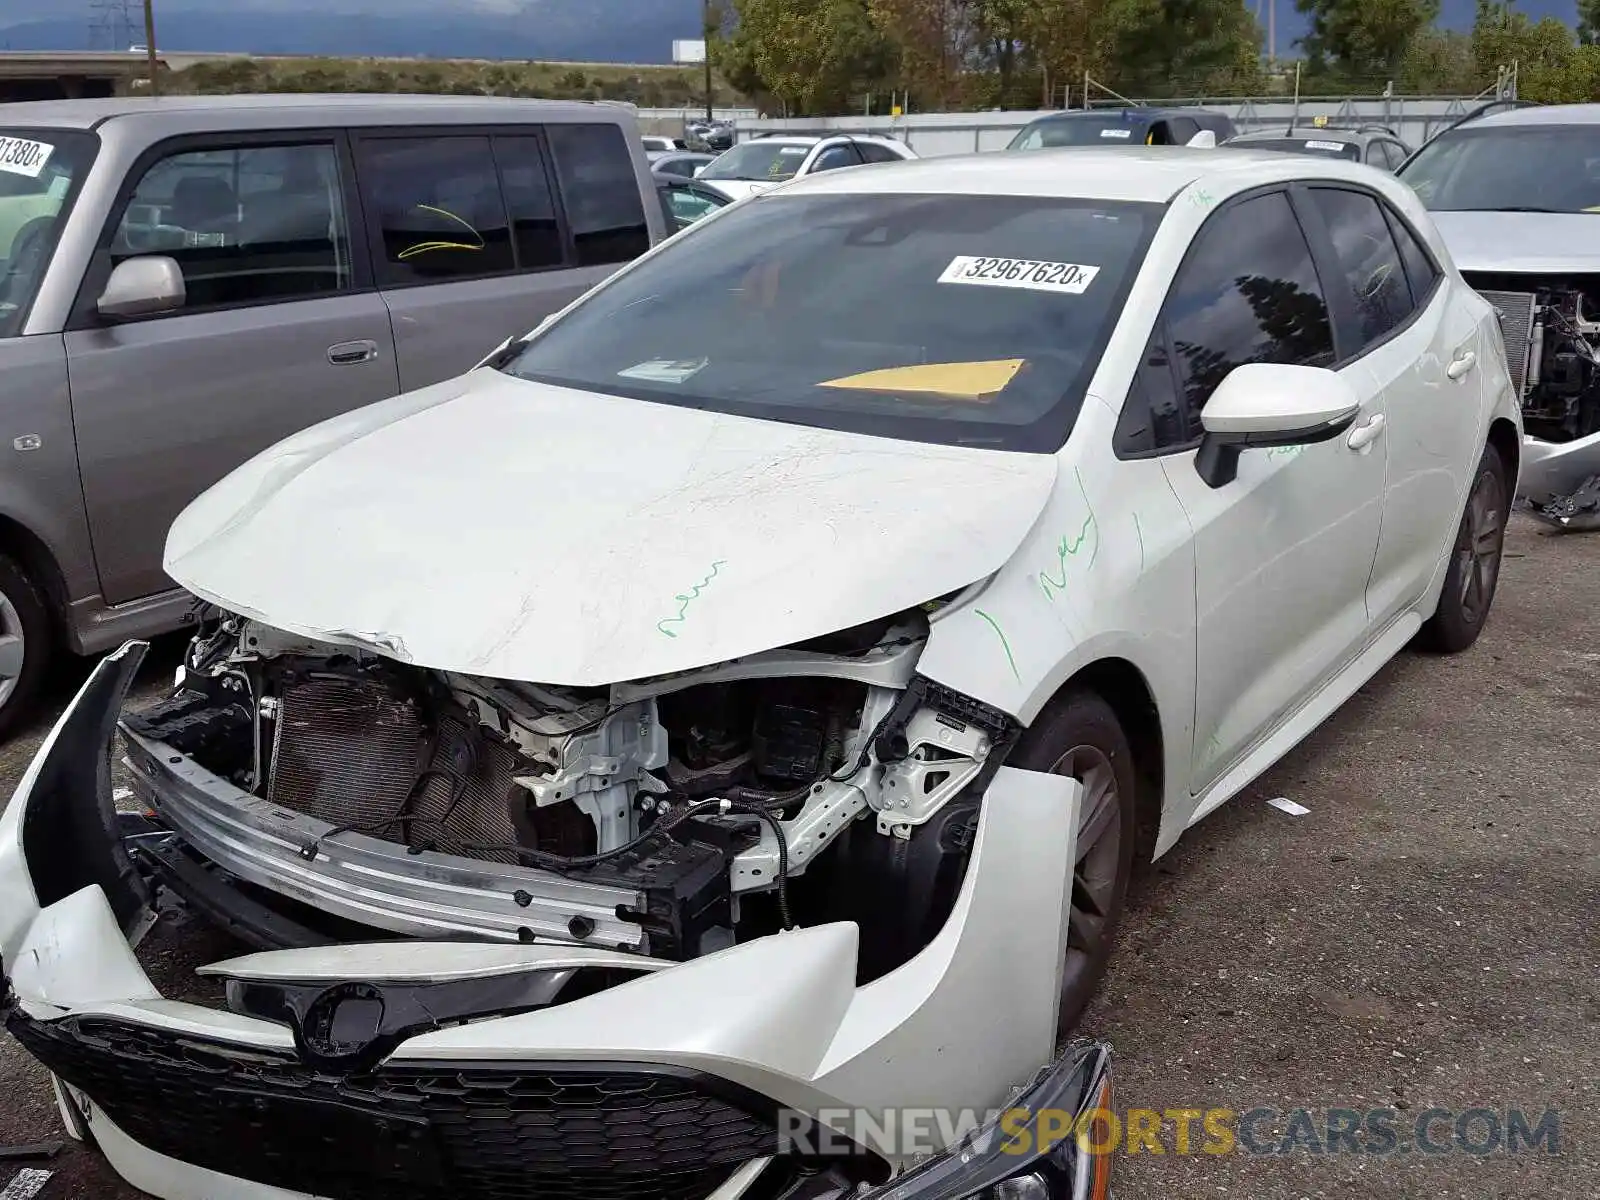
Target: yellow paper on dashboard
(960, 380)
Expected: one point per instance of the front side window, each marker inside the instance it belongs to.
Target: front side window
(601, 193)
(437, 207)
(1373, 276)
(835, 157)
(245, 224)
(875, 153)
(760, 161)
(972, 320)
(1248, 293)
(1509, 168)
(39, 171)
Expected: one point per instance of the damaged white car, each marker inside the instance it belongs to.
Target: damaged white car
(1516, 195)
(744, 698)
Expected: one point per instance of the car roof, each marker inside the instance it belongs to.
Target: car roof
(1133, 173)
(1544, 114)
(296, 109)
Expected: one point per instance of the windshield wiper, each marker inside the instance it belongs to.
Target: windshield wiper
(1524, 208)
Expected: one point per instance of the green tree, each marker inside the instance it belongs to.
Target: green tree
(1365, 39)
(1186, 47)
(1551, 67)
(1588, 22)
(812, 55)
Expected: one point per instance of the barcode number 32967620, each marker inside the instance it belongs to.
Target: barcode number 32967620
(1019, 273)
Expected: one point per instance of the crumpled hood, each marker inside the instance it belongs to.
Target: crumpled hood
(493, 526)
(1535, 243)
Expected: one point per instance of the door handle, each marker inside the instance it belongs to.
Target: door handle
(1461, 364)
(1364, 435)
(349, 353)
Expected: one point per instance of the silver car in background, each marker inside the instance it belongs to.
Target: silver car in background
(185, 281)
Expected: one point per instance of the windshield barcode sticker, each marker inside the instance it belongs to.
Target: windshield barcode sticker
(1116, 133)
(1028, 273)
(22, 157)
(1334, 146)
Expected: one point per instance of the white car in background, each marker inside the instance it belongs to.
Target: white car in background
(762, 162)
(1516, 196)
(747, 694)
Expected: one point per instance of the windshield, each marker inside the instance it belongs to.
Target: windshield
(762, 160)
(39, 171)
(1089, 129)
(966, 320)
(1510, 168)
(1323, 147)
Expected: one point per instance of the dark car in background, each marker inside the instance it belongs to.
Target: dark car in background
(1376, 145)
(1131, 126)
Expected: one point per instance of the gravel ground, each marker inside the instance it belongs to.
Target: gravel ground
(1425, 938)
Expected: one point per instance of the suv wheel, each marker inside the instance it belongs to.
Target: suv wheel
(26, 643)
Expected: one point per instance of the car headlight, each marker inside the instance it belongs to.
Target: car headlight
(1045, 1146)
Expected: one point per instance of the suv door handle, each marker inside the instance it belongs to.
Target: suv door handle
(349, 353)
(1363, 436)
(1461, 364)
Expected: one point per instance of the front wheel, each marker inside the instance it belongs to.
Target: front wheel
(1474, 571)
(1079, 735)
(25, 645)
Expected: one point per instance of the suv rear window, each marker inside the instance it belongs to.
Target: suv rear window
(969, 320)
(1088, 129)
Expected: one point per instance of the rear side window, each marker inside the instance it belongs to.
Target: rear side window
(436, 206)
(834, 157)
(875, 153)
(1421, 273)
(1369, 261)
(1249, 293)
(601, 193)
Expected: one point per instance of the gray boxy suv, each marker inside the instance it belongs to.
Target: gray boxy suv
(187, 281)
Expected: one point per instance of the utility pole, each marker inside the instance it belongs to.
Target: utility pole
(707, 29)
(150, 46)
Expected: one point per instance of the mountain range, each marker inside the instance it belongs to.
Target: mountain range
(630, 31)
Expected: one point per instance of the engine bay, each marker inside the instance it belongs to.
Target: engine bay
(717, 804)
(1552, 335)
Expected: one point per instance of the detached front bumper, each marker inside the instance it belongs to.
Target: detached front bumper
(1561, 480)
(435, 1069)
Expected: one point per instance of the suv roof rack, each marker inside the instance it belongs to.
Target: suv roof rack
(1483, 110)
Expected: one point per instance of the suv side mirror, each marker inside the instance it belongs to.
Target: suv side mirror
(1271, 404)
(143, 287)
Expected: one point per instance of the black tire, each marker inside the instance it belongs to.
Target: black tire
(23, 599)
(1075, 734)
(1474, 571)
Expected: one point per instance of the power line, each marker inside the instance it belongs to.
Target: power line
(115, 24)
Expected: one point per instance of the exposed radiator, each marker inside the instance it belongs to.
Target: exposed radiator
(350, 752)
(1516, 311)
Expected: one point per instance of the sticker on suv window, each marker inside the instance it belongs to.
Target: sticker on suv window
(1116, 133)
(1029, 273)
(1336, 147)
(22, 157)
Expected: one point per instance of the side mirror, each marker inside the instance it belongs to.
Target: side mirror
(1267, 404)
(143, 287)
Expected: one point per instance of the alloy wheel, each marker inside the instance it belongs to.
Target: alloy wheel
(1478, 546)
(13, 647)
(1099, 855)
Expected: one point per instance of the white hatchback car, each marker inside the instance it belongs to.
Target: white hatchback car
(747, 691)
